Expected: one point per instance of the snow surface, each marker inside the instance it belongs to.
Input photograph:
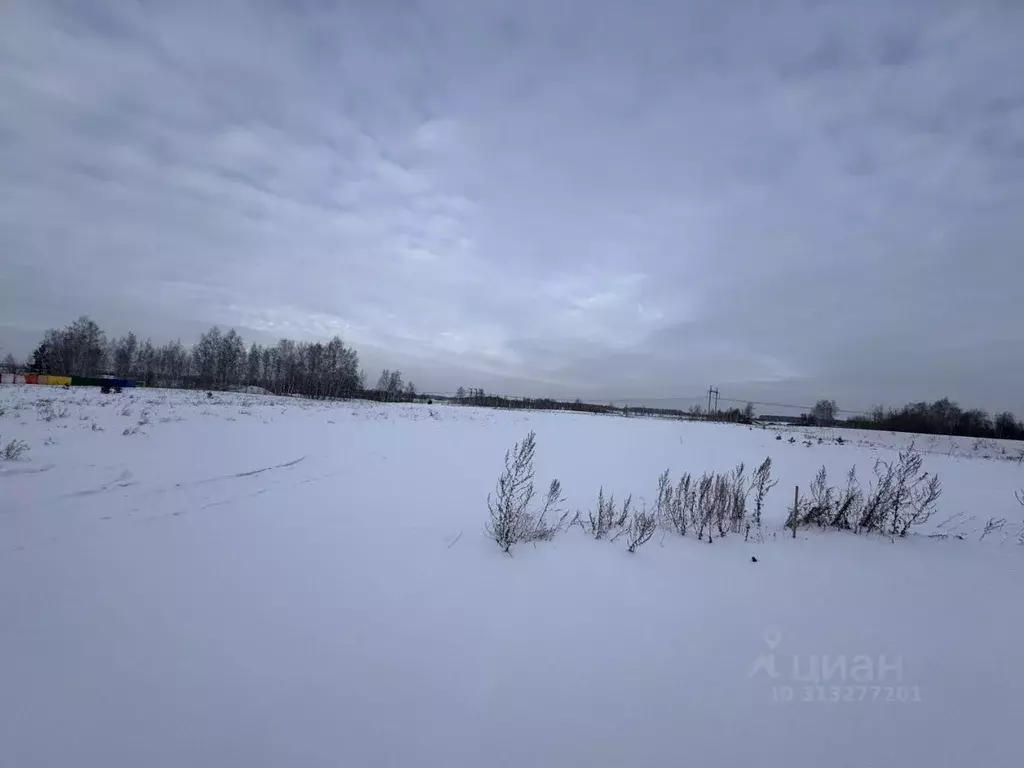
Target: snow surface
(259, 581)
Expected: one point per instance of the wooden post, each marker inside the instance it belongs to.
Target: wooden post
(796, 508)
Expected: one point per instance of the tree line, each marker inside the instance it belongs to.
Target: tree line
(219, 360)
(942, 417)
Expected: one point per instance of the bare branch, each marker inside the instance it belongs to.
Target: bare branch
(641, 529)
(994, 525)
(14, 450)
(511, 518)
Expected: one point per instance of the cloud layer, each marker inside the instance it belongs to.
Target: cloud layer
(791, 200)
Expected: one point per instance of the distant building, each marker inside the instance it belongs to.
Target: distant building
(766, 418)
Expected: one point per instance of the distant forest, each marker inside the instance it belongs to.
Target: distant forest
(943, 417)
(221, 360)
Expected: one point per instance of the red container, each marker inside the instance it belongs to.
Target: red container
(31, 378)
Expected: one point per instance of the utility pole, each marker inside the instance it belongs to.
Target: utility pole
(712, 391)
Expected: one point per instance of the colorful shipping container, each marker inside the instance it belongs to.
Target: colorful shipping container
(61, 381)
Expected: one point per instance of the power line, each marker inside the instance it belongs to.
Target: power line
(807, 408)
(712, 397)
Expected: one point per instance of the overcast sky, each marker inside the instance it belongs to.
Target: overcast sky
(790, 200)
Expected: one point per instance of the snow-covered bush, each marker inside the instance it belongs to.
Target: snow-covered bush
(606, 518)
(761, 482)
(714, 501)
(44, 410)
(512, 520)
(14, 450)
(674, 506)
(719, 499)
(640, 529)
(902, 497)
(818, 508)
(848, 504)
(704, 508)
(739, 492)
(829, 507)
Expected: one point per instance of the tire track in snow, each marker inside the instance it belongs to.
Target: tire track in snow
(124, 481)
(15, 471)
(199, 506)
(267, 469)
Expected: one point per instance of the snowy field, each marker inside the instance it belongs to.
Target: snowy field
(259, 581)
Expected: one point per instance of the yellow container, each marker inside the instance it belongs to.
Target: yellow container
(59, 381)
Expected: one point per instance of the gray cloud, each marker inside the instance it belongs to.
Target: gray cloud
(791, 200)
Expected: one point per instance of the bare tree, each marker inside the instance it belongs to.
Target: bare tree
(10, 365)
(122, 354)
(390, 384)
(824, 413)
(78, 350)
(1006, 425)
(204, 357)
(252, 365)
(145, 364)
